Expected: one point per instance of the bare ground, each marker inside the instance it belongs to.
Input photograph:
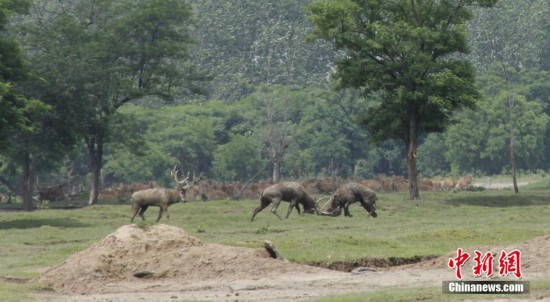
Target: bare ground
(163, 263)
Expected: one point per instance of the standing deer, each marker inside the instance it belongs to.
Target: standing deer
(348, 194)
(162, 197)
(286, 191)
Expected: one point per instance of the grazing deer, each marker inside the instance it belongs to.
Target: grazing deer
(348, 194)
(286, 191)
(162, 197)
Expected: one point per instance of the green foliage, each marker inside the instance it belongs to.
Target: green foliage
(404, 56)
(236, 160)
(431, 156)
(14, 107)
(167, 135)
(7, 7)
(94, 57)
(514, 32)
(482, 137)
(86, 59)
(248, 43)
(401, 52)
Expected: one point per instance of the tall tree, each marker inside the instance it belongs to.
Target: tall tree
(516, 35)
(248, 42)
(99, 55)
(12, 69)
(403, 55)
(20, 116)
(512, 114)
(275, 125)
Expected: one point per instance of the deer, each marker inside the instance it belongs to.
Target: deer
(53, 193)
(348, 194)
(162, 197)
(286, 191)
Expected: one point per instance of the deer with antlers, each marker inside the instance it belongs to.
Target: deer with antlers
(162, 197)
(286, 191)
(348, 194)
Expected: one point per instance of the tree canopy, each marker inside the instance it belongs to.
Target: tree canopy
(402, 55)
(95, 56)
(108, 88)
(13, 106)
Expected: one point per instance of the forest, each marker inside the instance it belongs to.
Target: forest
(95, 93)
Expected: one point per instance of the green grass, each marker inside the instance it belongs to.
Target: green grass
(538, 291)
(440, 224)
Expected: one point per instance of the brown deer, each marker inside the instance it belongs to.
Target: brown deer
(286, 191)
(348, 194)
(162, 197)
(53, 193)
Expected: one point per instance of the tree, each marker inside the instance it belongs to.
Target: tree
(402, 55)
(21, 117)
(99, 55)
(514, 32)
(431, 156)
(246, 43)
(274, 116)
(511, 115)
(515, 35)
(331, 140)
(12, 69)
(237, 160)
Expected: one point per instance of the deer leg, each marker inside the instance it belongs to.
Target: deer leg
(160, 214)
(141, 211)
(293, 203)
(263, 204)
(276, 203)
(346, 209)
(167, 214)
(135, 210)
(370, 209)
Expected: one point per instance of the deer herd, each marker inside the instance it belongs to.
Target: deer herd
(292, 192)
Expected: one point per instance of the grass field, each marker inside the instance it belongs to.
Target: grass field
(403, 231)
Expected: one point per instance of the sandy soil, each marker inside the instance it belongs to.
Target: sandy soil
(164, 263)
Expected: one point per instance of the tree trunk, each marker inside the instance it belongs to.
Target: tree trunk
(26, 183)
(512, 154)
(247, 183)
(512, 115)
(333, 175)
(276, 177)
(411, 158)
(95, 149)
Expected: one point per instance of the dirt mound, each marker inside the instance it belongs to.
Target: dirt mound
(170, 265)
(161, 252)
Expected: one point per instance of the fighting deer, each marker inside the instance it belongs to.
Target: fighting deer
(286, 191)
(162, 197)
(348, 194)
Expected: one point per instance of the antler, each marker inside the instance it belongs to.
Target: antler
(201, 177)
(175, 176)
(327, 203)
(185, 182)
(320, 211)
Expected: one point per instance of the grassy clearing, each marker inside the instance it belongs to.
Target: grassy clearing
(440, 224)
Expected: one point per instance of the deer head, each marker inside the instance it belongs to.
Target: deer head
(185, 184)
